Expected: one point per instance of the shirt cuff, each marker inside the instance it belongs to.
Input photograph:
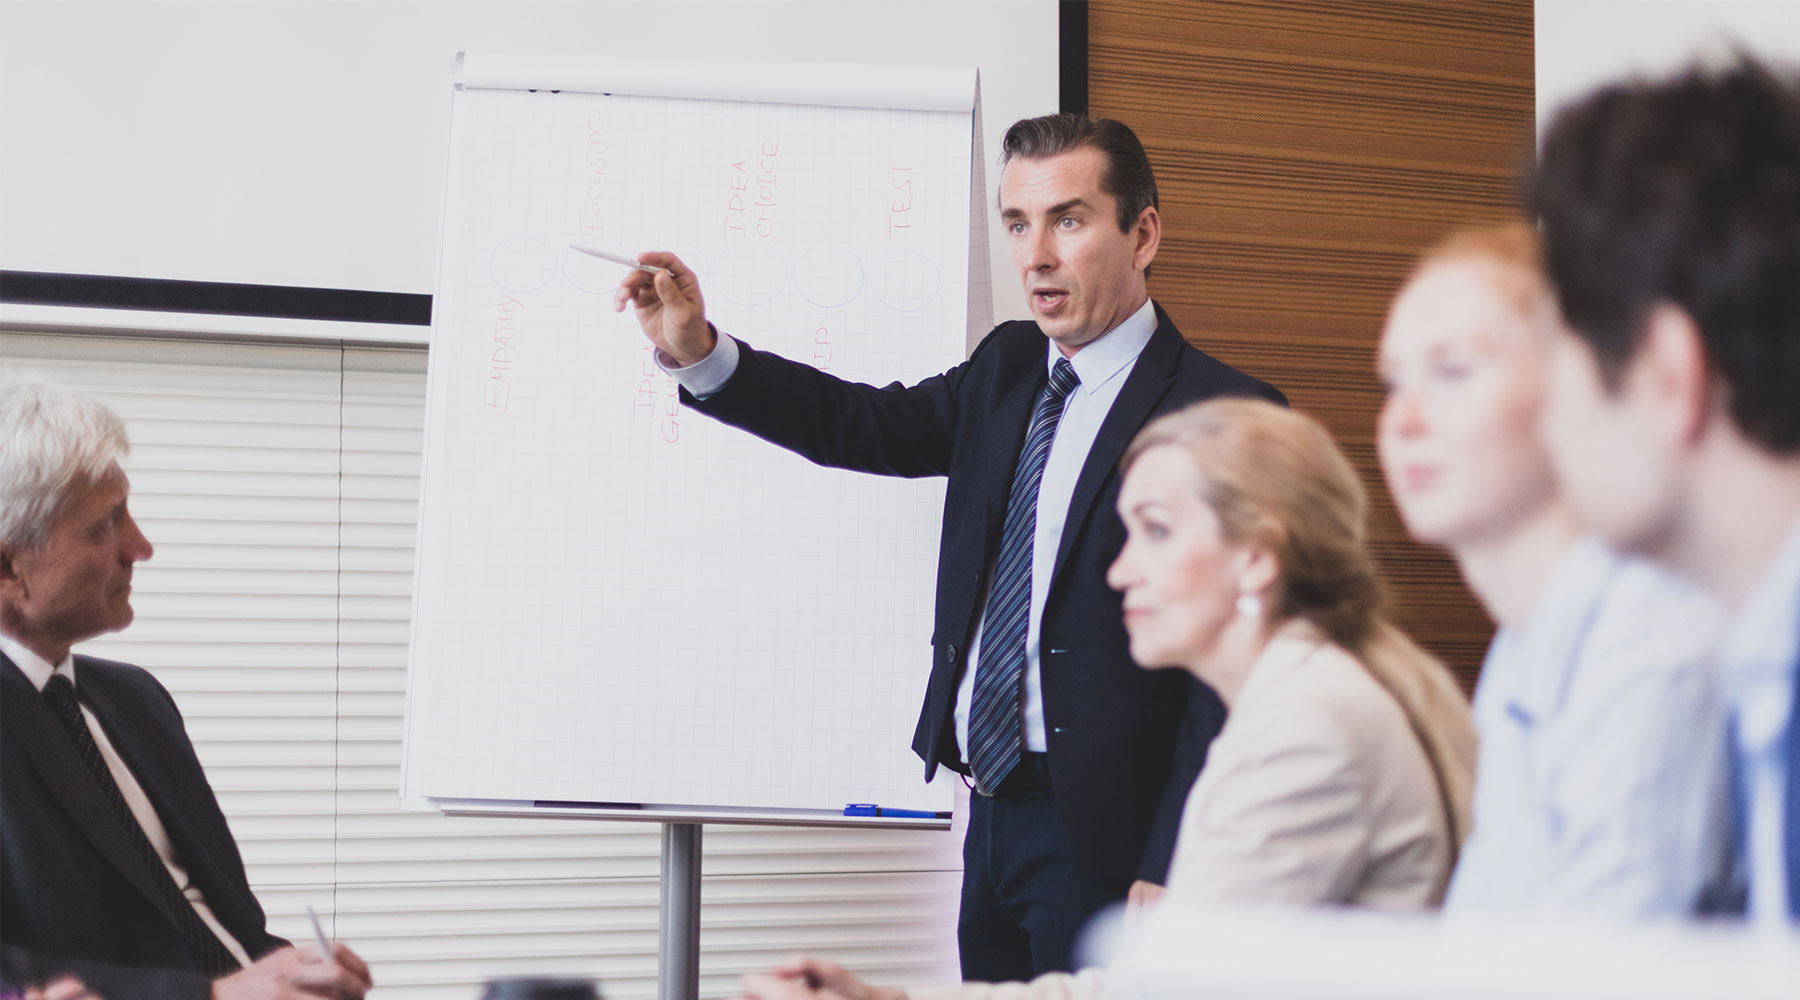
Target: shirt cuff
(709, 374)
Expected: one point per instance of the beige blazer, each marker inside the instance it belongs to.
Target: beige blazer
(1316, 792)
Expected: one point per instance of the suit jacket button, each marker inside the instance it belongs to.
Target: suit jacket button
(950, 654)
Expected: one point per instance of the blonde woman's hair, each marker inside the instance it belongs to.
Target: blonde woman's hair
(1276, 480)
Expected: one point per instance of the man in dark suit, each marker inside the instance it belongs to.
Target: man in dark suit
(1671, 220)
(116, 863)
(1080, 761)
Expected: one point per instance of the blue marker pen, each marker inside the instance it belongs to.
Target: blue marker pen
(870, 809)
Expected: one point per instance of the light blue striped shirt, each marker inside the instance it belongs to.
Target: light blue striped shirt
(1600, 785)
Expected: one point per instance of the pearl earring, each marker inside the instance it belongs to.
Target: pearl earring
(1249, 605)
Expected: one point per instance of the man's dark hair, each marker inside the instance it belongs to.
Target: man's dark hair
(1686, 191)
(1128, 178)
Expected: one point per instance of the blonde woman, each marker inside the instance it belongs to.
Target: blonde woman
(1342, 775)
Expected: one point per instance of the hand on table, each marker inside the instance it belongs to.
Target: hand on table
(1142, 897)
(812, 979)
(296, 974)
(61, 988)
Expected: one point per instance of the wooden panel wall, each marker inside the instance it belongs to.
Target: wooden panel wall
(1305, 153)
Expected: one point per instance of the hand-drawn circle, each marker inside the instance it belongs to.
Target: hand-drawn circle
(906, 281)
(524, 264)
(829, 277)
(697, 260)
(751, 277)
(591, 274)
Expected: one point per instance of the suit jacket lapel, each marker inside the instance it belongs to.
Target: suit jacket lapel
(1003, 435)
(170, 790)
(1145, 386)
(35, 732)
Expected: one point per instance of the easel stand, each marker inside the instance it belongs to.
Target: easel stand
(678, 914)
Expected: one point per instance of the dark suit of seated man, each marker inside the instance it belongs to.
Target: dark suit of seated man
(116, 863)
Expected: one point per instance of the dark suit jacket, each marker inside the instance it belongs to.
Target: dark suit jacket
(74, 896)
(1124, 744)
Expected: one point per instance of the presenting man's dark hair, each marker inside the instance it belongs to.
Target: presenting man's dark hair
(1685, 191)
(1128, 178)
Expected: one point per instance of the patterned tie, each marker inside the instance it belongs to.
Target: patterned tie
(1791, 798)
(1727, 892)
(994, 719)
(215, 960)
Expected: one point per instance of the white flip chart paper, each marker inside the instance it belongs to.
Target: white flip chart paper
(621, 600)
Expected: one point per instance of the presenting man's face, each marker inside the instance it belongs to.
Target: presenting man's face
(1082, 275)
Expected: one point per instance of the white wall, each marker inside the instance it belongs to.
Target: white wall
(302, 143)
(1584, 43)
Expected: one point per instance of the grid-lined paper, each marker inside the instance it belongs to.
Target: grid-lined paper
(618, 599)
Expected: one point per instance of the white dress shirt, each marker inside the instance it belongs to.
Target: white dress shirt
(1599, 787)
(39, 671)
(1102, 366)
(1757, 660)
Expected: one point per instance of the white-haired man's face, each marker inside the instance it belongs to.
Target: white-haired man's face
(77, 584)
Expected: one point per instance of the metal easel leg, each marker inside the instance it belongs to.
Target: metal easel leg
(678, 944)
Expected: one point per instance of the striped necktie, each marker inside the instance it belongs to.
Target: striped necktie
(994, 719)
(213, 958)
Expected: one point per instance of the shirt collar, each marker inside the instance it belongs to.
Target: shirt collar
(1543, 652)
(1107, 356)
(1765, 633)
(36, 668)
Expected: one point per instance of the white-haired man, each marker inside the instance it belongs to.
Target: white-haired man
(116, 863)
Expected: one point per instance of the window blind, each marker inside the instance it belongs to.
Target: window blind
(279, 486)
